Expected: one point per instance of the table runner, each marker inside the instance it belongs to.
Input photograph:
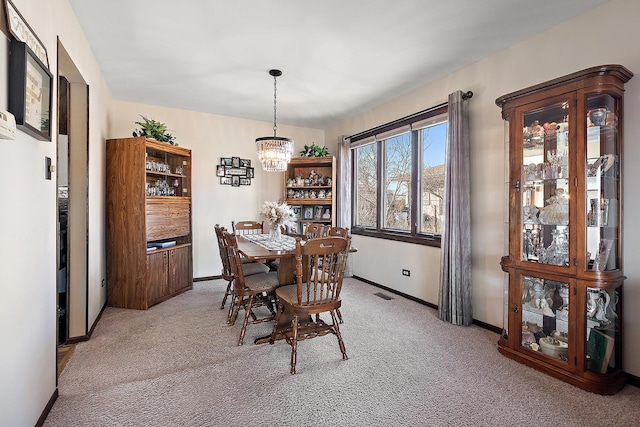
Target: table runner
(285, 243)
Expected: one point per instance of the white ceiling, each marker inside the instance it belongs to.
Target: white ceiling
(339, 57)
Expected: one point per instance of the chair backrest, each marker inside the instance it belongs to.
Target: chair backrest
(314, 230)
(235, 262)
(247, 227)
(227, 274)
(338, 232)
(325, 260)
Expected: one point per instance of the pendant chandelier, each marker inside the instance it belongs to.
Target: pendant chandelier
(274, 152)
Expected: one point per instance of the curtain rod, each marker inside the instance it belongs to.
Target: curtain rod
(402, 120)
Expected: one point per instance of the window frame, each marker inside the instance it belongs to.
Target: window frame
(412, 235)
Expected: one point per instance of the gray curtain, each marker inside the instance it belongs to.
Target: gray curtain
(454, 299)
(343, 186)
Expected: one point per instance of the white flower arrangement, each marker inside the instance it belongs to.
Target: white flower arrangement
(277, 214)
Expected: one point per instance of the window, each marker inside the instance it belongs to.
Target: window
(399, 178)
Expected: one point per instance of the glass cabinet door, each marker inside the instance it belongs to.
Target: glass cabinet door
(545, 317)
(545, 188)
(603, 330)
(602, 183)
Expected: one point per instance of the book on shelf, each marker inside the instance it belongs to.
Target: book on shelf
(163, 244)
(599, 349)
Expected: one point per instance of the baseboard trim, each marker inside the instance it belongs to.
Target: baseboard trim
(633, 380)
(479, 323)
(205, 278)
(47, 409)
(86, 337)
(393, 291)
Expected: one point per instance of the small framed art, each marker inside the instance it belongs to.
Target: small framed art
(220, 170)
(30, 92)
(307, 213)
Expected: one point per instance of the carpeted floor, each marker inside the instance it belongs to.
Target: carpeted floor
(177, 364)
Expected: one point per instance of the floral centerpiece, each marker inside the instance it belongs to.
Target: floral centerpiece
(277, 215)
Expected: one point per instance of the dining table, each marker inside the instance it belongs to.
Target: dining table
(262, 248)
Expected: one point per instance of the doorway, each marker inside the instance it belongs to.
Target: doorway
(73, 208)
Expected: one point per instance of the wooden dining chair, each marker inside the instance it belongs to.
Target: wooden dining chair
(249, 292)
(317, 290)
(247, 227)
(314, 230)
(248, 268)
(338, 232)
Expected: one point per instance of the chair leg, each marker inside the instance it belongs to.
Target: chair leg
(247, 314)
(339, 336)
(276, 321)
(234, 309)
(339, 315)
(294, 344)
(226, 294)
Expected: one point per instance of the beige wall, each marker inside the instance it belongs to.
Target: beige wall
(28, 261)
(28, 221)
(580, 43)
(211, 137)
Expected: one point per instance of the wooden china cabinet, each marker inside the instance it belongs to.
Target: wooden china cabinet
(310, 187)
(149, 255)
(563, 300)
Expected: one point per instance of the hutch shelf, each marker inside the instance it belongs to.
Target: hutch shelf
(310, 189)
(563, 299)
(149, 235)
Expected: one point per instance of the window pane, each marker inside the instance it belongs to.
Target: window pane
(366, 185)
(433, 141)
(397, 183)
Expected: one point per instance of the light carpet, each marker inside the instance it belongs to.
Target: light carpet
(177, 364)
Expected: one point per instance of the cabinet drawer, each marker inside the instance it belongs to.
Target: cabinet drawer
(167, 220)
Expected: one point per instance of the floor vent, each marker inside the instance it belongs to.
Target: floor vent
(383, 296)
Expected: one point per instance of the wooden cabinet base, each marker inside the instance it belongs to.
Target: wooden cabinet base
(600, 384)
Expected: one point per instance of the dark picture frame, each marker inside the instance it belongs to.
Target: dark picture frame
(307, 213)
(30, 84)
(22, 31)
(235, 171)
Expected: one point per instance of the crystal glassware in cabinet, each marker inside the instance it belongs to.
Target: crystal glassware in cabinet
(564, 256)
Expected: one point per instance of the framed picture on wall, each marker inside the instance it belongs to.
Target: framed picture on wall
(235, 181)
(220, 170)
(29, 92)
(235, 162)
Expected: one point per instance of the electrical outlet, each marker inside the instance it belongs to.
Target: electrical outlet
(406, 272)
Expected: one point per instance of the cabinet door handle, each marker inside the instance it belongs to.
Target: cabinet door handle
(517, 186)
(516, 309)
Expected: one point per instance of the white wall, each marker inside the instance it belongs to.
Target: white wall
(211, 137)
(28, 223)
(583, 42)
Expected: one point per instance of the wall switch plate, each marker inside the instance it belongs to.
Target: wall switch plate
(47, 168)
(406, 272)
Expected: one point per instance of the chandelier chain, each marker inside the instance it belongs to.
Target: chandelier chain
(275, 114)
